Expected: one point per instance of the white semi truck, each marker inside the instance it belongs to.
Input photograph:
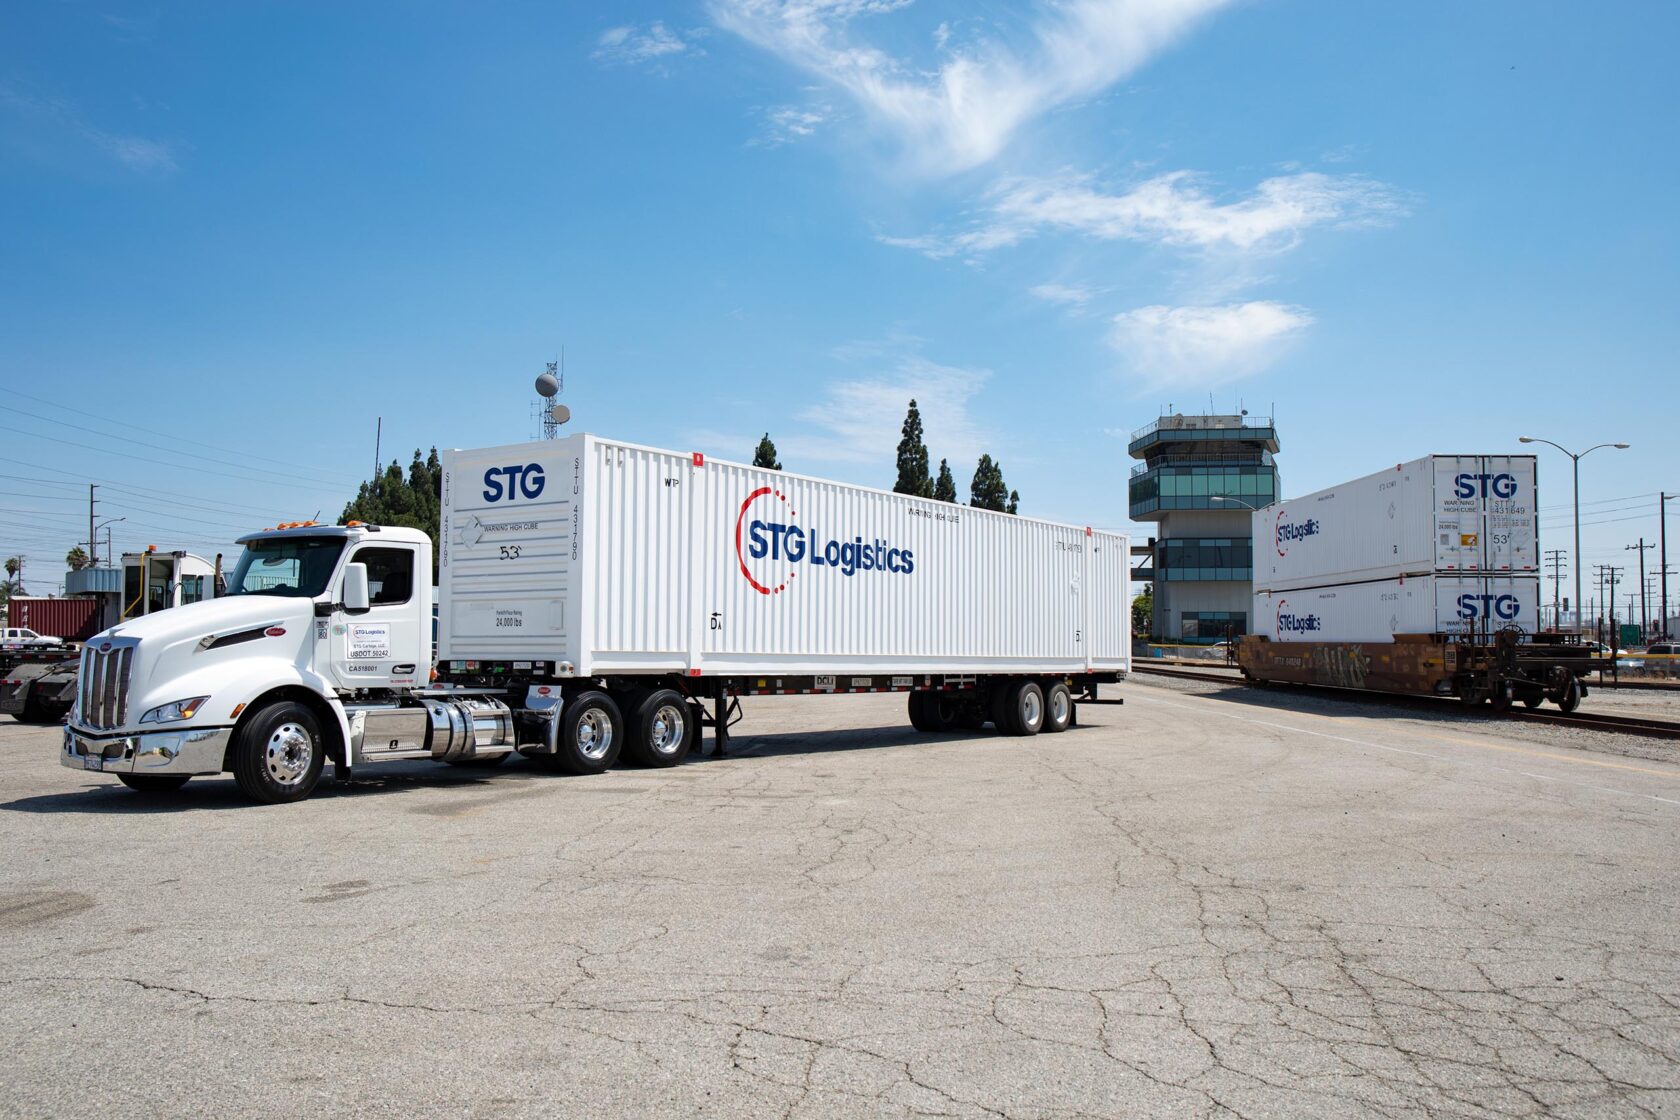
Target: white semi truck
(594, 598)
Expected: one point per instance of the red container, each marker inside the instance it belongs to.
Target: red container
(74, 620)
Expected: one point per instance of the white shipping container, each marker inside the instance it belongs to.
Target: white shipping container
(608, 557)
(1375, 611)
(1441, 513)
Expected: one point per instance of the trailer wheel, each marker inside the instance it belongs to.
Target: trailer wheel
(971, 715)
(659, 728)
(932, 712)
(1058, 707)
(590, 736)
(1023, 709)
(152, 783)
(279, 754)
(1571, 698)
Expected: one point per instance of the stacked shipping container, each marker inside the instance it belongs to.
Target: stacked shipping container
(1443, 544)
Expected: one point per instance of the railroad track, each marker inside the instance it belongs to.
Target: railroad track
(1596, 721)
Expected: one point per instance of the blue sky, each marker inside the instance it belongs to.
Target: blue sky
(233, 235)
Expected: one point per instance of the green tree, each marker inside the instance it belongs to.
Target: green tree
(945, 487)
(413, 500)
(765, 456)
(13, 584)
(1014, 502)
(1143, 611)
(77, 559)
(987, 489)
(913, 458)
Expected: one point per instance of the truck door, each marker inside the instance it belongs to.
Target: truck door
(386, 645)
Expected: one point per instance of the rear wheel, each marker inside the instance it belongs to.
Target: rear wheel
(1058, 707)
(659, 728)
(152, 783)
(279, 754)
(1023, 709)
(590, 736)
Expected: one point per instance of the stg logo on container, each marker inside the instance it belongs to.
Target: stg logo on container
(769, 542)
(1503, 607)
(1290, 531)
(1288, 622)
(1482, 485)
(525, 481)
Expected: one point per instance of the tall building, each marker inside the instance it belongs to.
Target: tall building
(1200, 479)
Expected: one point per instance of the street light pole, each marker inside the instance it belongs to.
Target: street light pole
(1662, 555)
(1577, 462)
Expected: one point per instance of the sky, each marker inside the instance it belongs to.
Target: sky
(234, 238)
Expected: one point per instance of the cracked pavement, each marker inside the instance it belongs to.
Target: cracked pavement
(1185, 907)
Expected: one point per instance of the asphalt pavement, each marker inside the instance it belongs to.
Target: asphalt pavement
(1191, 905)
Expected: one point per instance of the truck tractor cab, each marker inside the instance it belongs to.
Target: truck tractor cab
(265, 680)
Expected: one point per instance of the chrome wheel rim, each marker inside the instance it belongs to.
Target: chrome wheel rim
(1032, 708)
(669, 726)
(1059, 703)
(290, 751)
(594, 734)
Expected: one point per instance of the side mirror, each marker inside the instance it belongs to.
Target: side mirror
(355, 588)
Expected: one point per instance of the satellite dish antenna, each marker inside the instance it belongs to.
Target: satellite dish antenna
(559, 414)
(547, 384)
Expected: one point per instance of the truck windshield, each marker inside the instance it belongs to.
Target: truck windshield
(298, 567)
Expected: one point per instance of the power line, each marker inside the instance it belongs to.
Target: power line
(82, 480)
(151, 431)
(160, 447)
(84, 448)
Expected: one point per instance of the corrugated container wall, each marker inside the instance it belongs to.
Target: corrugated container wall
(626, 558)
(75, 620)
(1441, 513)
(1375, 611)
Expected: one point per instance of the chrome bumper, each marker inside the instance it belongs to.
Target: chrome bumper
(197, 750)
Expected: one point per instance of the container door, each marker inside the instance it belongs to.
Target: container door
(1511, 527)
(1458, 513)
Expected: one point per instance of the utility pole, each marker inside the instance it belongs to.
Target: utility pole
(1554, 557)
(1644, 610)
(93, 537)
(1662, 555)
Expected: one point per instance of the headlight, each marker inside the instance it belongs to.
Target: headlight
(179, 710)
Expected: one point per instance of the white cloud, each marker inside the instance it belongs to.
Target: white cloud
(793, 122)
(630, 44)
(134, 152)
(1066, 294)
(1199, 347)
(1173, 210)
(859, 421)
(962, 111)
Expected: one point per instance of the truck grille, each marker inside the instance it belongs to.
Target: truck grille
(103, 698)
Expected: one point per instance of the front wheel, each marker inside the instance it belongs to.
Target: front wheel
(280, 754)
(152, 783)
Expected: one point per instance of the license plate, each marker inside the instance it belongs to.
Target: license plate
(93, 762)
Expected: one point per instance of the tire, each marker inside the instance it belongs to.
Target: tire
(480, 761)
(152, 783)
(590, 737)
(1502, 697)
(659, 728)
(1022, 708)
(934, 713)
(1058, 707)
(1571, 698)
(280, 753)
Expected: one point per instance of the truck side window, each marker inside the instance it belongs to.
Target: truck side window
(390, 574)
